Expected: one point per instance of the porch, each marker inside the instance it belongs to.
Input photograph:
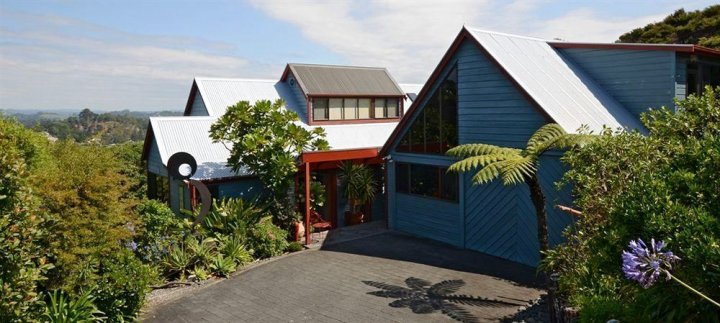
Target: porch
(322, 169)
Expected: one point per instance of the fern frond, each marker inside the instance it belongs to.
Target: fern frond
(469, 150)
(487, 174)
(514, 171)
(543, 138)
(474, 162)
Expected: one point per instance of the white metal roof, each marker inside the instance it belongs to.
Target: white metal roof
(220, 93)
(356, 136)
(191, 135)
(568, 95)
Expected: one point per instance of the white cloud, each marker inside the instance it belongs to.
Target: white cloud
(54, 61)
(410, 36)
(61, 62)
(583, 25)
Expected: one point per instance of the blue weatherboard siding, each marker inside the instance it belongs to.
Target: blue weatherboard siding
(638, 79)
(247, 188)
(681, 77)
(198, 106)
(489, 218)
(423, 216)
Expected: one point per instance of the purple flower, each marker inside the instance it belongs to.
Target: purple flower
(645, 265)
(131, 245)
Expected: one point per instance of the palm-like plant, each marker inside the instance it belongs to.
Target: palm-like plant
(515, 166)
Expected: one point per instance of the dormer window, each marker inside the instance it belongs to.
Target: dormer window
(326, 109)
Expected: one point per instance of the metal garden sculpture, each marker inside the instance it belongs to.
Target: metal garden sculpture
(182, 166)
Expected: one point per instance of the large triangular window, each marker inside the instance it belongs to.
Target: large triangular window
(435, 130)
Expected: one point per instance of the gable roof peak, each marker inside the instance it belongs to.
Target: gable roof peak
(491, 32)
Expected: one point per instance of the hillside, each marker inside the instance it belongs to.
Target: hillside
(701, 27)
(106, 128)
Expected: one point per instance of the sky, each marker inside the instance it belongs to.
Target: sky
(144, 54)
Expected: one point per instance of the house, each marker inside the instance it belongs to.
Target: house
(498, 89)
(357, 106)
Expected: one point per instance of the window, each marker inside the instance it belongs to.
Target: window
(350, 109)
(700, 75)
(364, 108)
(434, 130)
(355, 108)
(426, 180)
(320, 109)
(336, 109)
(386, 108)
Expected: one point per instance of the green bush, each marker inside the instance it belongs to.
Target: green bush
(295, 246)
(159, 229)
(266, 239)
(232, 217)
(664, 186)
(124, 282)
(233, 247)
(222, 266)
(23, 229)
(62, 308)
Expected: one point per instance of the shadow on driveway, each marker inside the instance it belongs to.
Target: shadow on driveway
(398, 246)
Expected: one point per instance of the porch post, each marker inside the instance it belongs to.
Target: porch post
(307, 203)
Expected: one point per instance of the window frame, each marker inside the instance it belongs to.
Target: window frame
(441, 172)
(372, 116)
(408, 144)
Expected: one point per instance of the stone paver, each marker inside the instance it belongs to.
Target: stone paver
(327, 285)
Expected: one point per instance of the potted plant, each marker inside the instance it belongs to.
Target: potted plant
(360, 187)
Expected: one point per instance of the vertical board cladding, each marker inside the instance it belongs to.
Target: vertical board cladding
(638, 79)
(198, 106)
(247, 188)
(490, 109)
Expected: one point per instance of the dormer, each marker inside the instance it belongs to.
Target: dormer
(346, 94)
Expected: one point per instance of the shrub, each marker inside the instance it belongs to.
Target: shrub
(178, 261)
(159, 229)
(61, 308)
(199, 274)
(661, 186)
(86, 197)
(295, 246)
(123, 285)
(267, 239)
(222, 266)
(232, 247)
(232, 217)
(23, 231)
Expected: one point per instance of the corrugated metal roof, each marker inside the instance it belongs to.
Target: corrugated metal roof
(220, 93)
(568, 95)
(191, 135)
(344, 80)
(356, 136)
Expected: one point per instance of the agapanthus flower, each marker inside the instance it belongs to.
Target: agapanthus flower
(132, 245)
(645, 265)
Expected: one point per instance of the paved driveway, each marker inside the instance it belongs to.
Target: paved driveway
(384, 278)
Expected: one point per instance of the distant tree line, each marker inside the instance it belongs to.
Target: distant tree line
(700, 27)
(104, 128)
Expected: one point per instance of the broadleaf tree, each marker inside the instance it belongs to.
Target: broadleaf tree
(267, 139)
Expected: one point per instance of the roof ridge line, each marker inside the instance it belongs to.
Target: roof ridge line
(471, 29)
